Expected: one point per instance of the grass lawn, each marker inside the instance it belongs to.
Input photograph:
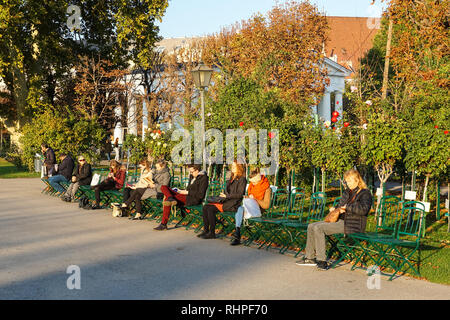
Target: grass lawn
(9, 171)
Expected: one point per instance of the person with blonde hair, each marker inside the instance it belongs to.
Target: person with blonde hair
(353, 209)
(231, 199)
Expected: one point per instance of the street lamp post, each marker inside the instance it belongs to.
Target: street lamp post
(202, 78)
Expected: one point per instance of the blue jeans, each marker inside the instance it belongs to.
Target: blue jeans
(55, 182)
(239, 217)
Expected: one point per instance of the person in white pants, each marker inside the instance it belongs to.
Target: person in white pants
(117, 150)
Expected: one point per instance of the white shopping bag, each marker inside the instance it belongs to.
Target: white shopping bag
(95, 179)
(251, 208)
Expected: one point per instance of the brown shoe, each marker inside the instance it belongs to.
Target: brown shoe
(161, 227)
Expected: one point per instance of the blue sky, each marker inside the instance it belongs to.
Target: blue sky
(188, 18)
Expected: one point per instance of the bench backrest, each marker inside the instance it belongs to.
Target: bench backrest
(411, 222)
(316, 207)
(278, 204)
(297, 206)
(389, 213)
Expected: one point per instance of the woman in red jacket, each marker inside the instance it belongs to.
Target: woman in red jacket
(115, 181)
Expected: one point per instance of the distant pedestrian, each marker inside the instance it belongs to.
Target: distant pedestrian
(50, 159)
(117, 150)
(108, 148)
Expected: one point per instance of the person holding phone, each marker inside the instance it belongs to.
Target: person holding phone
(353, 209)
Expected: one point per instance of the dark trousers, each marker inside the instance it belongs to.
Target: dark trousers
(126, 194)
(209, 217)
(136, 196)
(108, 184)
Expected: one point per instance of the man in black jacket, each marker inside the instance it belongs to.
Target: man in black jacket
(63, 174)
(193, 195)
(82, 176)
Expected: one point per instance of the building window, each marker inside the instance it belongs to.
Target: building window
(332, 103)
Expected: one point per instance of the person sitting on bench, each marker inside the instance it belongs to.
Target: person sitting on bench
(63, 174)
(193, 195)
(232, 199)
(259, 195)
(82, 176)
(148, 186)
(353, 207)
(115, 181)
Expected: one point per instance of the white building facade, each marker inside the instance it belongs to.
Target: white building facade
(333, 95)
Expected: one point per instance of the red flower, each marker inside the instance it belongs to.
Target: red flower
(346, 124)
(335, 114)
(446, 132)
(436, 127)
(334, 119)
(271, 135)
(159, 131)
(241, 124)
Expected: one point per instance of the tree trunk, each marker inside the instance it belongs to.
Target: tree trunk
(314, 181)
(403, 188)
(387, 61)
(384, 172)
(427, 180)
(323, 179)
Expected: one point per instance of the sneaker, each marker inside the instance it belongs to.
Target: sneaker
(306, 262)
(137, 216)
(235, 242)
(161, 227)
(322, 265)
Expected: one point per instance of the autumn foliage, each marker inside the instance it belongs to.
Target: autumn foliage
(282, 51)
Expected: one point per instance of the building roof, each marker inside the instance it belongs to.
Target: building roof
(171, 44)
(350, 38)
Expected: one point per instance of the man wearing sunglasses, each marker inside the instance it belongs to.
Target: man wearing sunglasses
(82, 176)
